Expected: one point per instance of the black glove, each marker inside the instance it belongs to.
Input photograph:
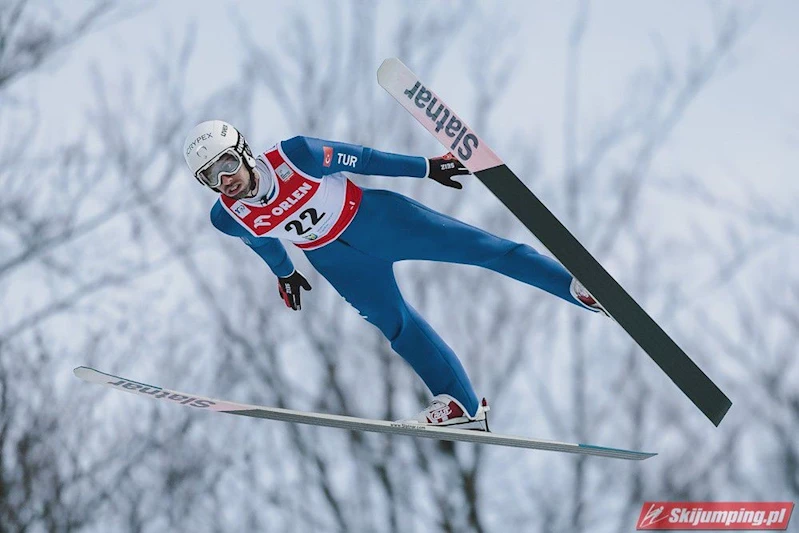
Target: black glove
(289, 289)
(444, 167)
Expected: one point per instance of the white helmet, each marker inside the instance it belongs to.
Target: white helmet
(206, 145)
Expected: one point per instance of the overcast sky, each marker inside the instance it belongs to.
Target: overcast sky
(741, 133)
(744, 127)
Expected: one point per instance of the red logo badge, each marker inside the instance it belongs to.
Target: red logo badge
(328, 155)
(715, 515)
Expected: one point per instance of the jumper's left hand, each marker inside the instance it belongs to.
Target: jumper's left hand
(444, 167)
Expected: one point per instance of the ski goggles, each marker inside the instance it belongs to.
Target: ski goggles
(225, 164)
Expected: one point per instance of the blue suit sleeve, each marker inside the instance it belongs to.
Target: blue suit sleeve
(269, 249)
(319, 157)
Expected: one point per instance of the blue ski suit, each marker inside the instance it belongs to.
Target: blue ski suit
(389, 227)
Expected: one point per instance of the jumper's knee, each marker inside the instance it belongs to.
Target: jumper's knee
(389, 321)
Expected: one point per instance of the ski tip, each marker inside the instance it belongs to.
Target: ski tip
(387, 68)
(81, 371)
(86, 373)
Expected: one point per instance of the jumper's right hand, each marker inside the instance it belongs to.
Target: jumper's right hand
(289, 289)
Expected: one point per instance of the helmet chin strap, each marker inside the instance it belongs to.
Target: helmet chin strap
(254, 177)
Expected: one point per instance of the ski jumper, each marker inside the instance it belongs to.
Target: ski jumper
(353, 236)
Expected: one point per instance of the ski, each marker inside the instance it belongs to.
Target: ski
(452, 132)
(346, 422)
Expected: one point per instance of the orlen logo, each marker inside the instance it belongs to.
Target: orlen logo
(444, 118)
(158, 392)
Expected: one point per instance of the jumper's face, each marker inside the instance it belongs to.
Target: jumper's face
(236, 185)
(227, 174)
